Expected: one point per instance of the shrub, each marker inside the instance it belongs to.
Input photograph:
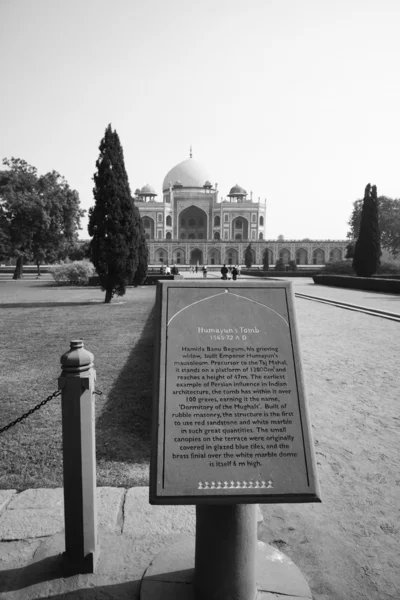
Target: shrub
(341, 267)
(75, 273)
(292, 265)
(359, 283)
(280, 265)
(388, 267)
(266, 260)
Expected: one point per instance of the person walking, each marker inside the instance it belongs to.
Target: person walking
(224, 271)
(204, 271)
(234, 273)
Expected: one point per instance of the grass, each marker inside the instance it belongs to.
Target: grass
(37, 321)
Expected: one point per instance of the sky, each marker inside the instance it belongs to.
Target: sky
(297, 101)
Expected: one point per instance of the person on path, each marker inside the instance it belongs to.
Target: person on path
(234, 273)
(204, 271)
(168, 270)
(197, 268)
(224, 271)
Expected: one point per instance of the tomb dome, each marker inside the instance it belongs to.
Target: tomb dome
(190, 173)
(147, 189)
(237, 190)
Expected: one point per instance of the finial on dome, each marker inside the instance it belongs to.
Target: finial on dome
(190, 155)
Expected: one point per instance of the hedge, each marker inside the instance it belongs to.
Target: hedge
(375, 284)
(276, 274)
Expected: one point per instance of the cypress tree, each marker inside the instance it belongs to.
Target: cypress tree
(367, 250)
(266, 260)
(141, 271)
(112, 221)
(248, 256)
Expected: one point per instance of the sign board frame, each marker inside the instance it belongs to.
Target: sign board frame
(177, 305)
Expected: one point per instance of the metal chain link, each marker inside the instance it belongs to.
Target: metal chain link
(42, 403)
(22, 417)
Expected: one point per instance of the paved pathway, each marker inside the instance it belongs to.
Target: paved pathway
(131, 534)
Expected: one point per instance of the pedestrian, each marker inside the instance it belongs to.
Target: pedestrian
(204, 271)
(224, 271)
(168, 270)
(197, 267)
(234, 273)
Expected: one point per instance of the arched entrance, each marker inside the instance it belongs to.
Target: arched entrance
(196, 257)
(193, 223)
(284, 255)
(178, 256)
(231, 257)
(335, 254)
(214, 256)
(161, 256)
(148, 224)
(318, 256)
(240, 227)
(301, 256)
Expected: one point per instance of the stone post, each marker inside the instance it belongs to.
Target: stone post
(77, 382)
(225, 555)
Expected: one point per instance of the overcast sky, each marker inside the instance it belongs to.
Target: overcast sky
(297, 101)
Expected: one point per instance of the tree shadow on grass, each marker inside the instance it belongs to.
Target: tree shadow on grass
(123, 430)
(51, 304)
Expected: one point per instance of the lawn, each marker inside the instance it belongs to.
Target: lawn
(37, 321)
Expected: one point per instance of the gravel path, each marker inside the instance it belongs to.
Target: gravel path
(348, 546)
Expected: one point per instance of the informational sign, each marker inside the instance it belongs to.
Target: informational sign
(230, 419)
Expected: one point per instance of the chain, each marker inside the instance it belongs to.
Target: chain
(42, 403)
(22, 417)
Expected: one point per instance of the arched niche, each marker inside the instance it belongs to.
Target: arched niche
(149, 227)
(240, 225)
(301, 256)
(161, 255)
(284, 254)
(318, 256)
(196, 256)
(178, 256)
(335, 254)
(214, 256)
(193, 222)
(231, 256)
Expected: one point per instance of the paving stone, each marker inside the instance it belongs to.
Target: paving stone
(38, 498)
(5, 497)
(17, 554)
(141, 518)
(109, 501)
(19, 524)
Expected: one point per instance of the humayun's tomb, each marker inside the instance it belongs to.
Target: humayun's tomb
(191, 224)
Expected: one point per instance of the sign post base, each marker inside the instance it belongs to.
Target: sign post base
(264, 573)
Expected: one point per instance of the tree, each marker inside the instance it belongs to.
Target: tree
(39, 215)
(112, 221)
(367, 250)
(141, 271)
(389, 222)
(281, 238)
(248, 256)
(79, 251)
(350, 250)
(266, 260)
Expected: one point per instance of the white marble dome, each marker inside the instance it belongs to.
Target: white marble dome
(190, 173)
